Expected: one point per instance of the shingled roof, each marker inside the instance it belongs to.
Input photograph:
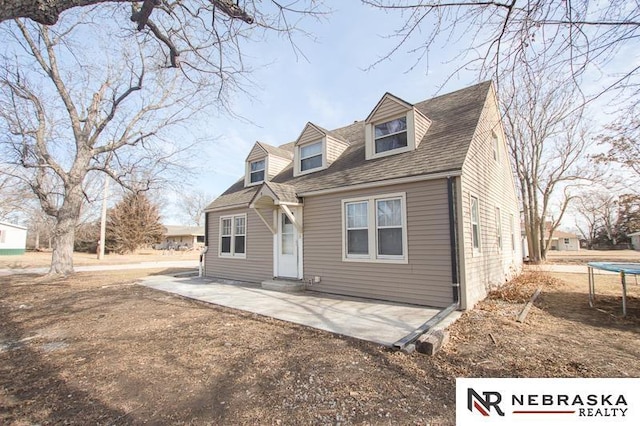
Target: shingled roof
(444, 148)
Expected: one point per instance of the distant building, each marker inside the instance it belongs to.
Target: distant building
(182, 237)
(635, 240)
(13, 239)
(560, 241)
(563, 241)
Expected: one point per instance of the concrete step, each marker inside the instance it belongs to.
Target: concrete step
(289, 286)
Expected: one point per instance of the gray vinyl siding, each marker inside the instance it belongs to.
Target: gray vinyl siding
(276, 165)
(425, 280)
(334, 149)
(258, 264)
(309, 135)
(421, 126)
(257, 153)
(492, 183)
(387, 109)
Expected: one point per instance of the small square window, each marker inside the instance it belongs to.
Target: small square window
(391, 135)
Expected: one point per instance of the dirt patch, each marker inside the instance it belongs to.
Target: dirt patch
(98, 349)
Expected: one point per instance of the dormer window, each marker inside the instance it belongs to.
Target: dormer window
(393, 127)
(315, 150)
(257, 171)
(391, 135)
(311, 156)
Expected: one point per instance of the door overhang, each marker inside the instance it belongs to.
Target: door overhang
(275, 197)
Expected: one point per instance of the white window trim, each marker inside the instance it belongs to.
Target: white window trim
(372, 227)
(233, 254)
(247, 176)
(567, 241)
(513, 233)
(298, 160)
(370, 145)
(476, 250)
(495, 141)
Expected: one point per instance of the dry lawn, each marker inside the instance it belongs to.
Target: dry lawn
(43, 259)
(98, 349)
(583, 256)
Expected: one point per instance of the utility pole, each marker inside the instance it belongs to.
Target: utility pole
(103, 218)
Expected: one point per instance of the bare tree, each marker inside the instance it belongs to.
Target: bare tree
(548, 146)
(68, 115)
(623, 142)
(499, 36)
(195, 35)
(597, 211)
(192, 205)
(14, 196)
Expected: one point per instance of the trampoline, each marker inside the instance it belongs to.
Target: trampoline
(623, 269)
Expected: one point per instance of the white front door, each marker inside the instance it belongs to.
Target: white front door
(287, 247)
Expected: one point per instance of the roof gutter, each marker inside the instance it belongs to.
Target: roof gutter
(379, 183)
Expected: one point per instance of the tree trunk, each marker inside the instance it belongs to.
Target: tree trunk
(64, 233)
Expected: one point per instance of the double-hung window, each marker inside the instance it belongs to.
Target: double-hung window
(233, 235)
(311, 156)
(475, 223)
(257, 171)
(375, 229)
(390, 135)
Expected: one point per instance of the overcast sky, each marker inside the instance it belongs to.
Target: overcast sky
(331, 88)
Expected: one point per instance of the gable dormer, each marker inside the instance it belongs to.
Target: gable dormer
(394, 126)
(315, 150)
(264, 162)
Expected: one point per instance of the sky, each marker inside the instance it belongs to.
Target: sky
(331, 87)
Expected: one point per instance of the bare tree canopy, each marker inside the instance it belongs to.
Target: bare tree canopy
(623, 140)
(196, 35)
(191, 205)
(582, 35)
(549, 151)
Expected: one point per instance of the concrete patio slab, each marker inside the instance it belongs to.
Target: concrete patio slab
(375, 321)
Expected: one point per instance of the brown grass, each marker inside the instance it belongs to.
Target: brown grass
(43, 259)
(98, 349)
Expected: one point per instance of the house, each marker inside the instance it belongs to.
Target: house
(13, 239)
(635, 240)
(414, 204)
(563, 241)
(182, 237)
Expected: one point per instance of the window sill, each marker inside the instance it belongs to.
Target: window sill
(401, 261)
(390, 152)
(232, 256)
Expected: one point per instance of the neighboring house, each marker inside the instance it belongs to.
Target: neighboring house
(182, 237)
(564, 241)
(13, 239)
(415, 204)
(635, 240)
